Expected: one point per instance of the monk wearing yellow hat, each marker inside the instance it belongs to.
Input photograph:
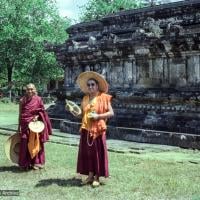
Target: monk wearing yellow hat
(96, 109)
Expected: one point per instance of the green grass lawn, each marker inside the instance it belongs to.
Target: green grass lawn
(132, 177)
(149, 176)
(8, 107)
(8, 113)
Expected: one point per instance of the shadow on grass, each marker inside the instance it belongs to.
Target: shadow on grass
(60, 182)
(14, 169)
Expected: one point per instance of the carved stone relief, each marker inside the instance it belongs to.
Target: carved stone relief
(128, 74)
(177, 71)
(194, 70)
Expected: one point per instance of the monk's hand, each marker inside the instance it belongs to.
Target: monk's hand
(94, 115)
(35, 118)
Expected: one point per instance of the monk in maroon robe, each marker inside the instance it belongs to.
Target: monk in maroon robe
(96, 109)
(32, 108)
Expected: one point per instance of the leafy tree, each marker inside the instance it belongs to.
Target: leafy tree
(96, 9)
(25, 27)
(156, 2)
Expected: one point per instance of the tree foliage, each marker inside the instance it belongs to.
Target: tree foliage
(156, 2)
(25, 27)
(96, 9)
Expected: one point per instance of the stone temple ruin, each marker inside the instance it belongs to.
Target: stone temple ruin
(151, 60)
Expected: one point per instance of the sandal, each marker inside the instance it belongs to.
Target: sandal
(95, 184)
(38, 166)
(87, 181)
(35, 167)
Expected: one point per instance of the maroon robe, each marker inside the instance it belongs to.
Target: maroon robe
(92, 158)
(30, 108)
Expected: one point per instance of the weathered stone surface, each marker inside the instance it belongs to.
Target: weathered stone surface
(151, 59)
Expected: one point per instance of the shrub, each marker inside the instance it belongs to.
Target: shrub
(5, 100)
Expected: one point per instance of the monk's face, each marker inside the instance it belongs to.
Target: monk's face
(92, 87)
(30, 91)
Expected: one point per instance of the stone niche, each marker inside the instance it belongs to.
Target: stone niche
(151, 60)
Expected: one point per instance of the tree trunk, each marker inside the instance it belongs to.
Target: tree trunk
(9, 76)
(9, 71)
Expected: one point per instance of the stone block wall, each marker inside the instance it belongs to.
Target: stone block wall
(151, 60)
